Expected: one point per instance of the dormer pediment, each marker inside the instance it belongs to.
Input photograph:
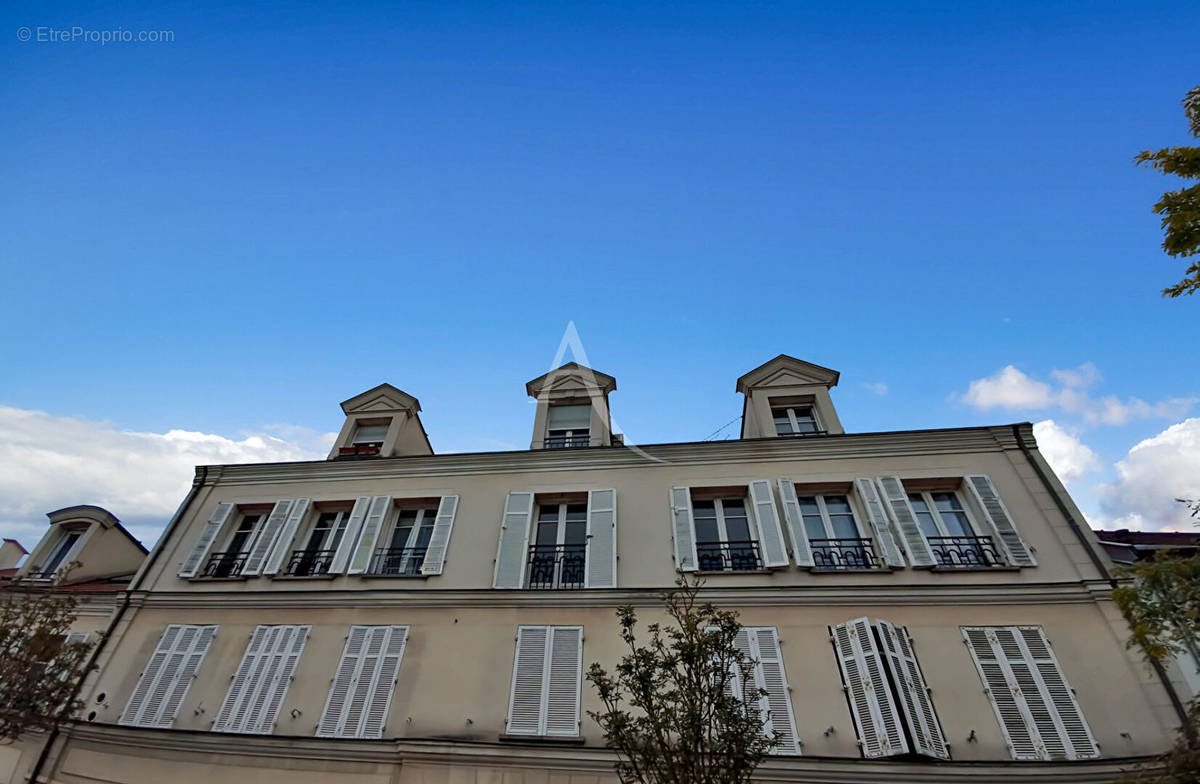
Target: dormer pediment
(381, 422)
(786, 371)
(571, 377)
(382, 398)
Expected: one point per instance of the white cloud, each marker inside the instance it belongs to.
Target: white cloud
(1012, 389)
(1151, 476)
(876, 387)
(48, 462)
(1068, 456)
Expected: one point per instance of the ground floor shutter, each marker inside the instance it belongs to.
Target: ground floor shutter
(871, 705)
(361, 692)
(563, 678)
(547, 673)
(169, 673)
(261, 680)
(915, 700)
(525, 706)
(443, 524)
(204, 542)
(772, 678)
(601, 539)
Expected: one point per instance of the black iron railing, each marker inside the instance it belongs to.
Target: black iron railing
(309, 563)
(224, 564)
(844, 553)
(360, 450)
(565, 442)
(964, 552)
(803, 433)
(556, 566)
(397, 561)
(728, 556)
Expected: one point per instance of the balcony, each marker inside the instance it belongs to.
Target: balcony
(359, 450)
(729, 556)
(964, 552)
(836, 555)
(803, 433)
(309, 563)
(556, 566)
(567, 442)
(224, 565)
(397, 562)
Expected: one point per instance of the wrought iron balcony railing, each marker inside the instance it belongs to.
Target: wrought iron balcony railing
(566, 442)
(844, 553)
(556, 566)
(728, 556)
(397, 561)
(964, 552)
(803, 433)
(309, 563)
(228, 564)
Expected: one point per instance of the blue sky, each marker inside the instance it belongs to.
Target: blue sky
(230, 233)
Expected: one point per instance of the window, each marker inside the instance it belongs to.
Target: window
(168, 675)
(725, 541)
(547, 670)
(405, 546)
(1034, 704)
(568, 426)
(558, 554)
(57, 557)
(261, 681)
(833, 534)
(948, 529)
(795, 420)
(320, 544)
(370, 435)
(230, 559)
(361, 693)
(891, 706)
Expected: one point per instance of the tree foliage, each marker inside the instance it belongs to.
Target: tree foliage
(1180, 210)
(39, 669)
(670, 707)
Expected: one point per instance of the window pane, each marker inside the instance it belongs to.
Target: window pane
(808, 505)
(705, 509)
(815, 527)
(837, 504)
(570, 417)
(805, 419)
(400, 537)
(577, 512)
(706, 530)
(737, 528)
(843, 526)
(576, 533)
(947, 502)
(547, 534)
(370, 434)
(548, 513)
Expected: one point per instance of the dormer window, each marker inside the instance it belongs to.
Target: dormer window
(368, 438)
(795, 420)
(569, 426)
(58, 554)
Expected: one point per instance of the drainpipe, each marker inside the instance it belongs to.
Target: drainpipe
(202, 474)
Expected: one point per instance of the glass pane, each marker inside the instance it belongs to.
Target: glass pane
(733, 506)
(370, 434)
(548, 513)
(577, 512)
(837, 504)
(400, 537)
(805, 419)
(843, 526)
(814, 527)
(918, 502)
(956, 524)
(547, 534)
(570, 417)
(737, 528)
(808, 505)
(706, 530)
(423, 535)
(947, 502)
(576, 533)
(705, 509)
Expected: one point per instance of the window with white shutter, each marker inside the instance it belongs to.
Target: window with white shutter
(601, 566)
(261, 680)
(362, 688)
(168, 675)
(1034, 704)
(726, 530)
(547, 673)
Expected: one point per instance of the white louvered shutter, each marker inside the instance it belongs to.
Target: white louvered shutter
(261, 680)
(871, 703)
(333, 718)
(915, 700)
(563, 676)
(362, 687)
(204, 543)
(683, 533)
(163, 684)
(601, 569)
(360, 692)
(284, 661)
(801, 550)
(385, 682)
(526, 705)
(900, 510)
(771, 677)
(372, 525)
(247, 673)
(267, 535)
(350, 536)
(1033, 702)
(443, 524)
(283, 543)
(987, 504)
(513, 547)
(770, 533)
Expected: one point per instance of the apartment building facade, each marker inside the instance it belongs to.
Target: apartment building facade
(923, 606)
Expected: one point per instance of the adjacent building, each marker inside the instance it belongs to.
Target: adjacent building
(923, 606)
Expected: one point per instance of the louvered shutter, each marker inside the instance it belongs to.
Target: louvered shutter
(443, 524)
(683, 534)
(385, 682)
(901, 512)
(771, 677)
(1015, 722)
(1058, 693)
(801, 550)
(168, 675)
(514, 541)
(988, 505)
(232, 712)
(770, 533)
(563, 677)
(741, 641)
(350, 536)
(526, 705)
(601, 569)
(267, 535)
(261, 680)
(283, 544)
(284, 661)
(372, 525)
(915, 700)
(205, 542)
(333, 718)
(871, 703)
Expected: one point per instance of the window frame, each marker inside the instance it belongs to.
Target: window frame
(794, 421)
(723, 543)
(936, 514)
(560, 536)
(66, 540)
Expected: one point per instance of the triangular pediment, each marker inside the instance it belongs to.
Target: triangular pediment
(382, 398)
(786, 371)
(571, 377)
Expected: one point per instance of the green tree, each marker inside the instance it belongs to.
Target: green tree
(39, 669)
(1180, 210)
(671, 710)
